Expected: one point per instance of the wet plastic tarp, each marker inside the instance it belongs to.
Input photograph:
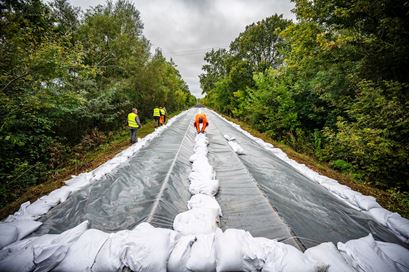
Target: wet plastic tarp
(247, 201)
(151, 187)
(258, 192)
(313, 214)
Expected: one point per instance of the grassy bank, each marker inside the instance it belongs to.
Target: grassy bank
(391, 199)
(83, 162)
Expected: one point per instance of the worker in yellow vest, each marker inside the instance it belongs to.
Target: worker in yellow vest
(134, 124)
(156, 116)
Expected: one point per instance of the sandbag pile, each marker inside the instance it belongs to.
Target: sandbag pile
(205, 247)
(143, 248)
(195, 244)
(367, 204)
(23, 222)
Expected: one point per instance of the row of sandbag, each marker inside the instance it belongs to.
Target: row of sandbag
(143, 248)
(146, 248)
(201, 247)
(204, 247)
(367, 204)
(203, 210)
(237, 250)
(23, 222)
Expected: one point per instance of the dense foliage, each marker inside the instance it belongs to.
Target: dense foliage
(334, 84)
(68, 78)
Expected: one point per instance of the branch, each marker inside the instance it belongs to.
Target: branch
(14, 79)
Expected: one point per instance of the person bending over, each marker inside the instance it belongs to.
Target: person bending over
(201, 122)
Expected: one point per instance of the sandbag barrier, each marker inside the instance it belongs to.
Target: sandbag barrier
(205, 247)
(366, 204)
(23, 222)
(196, 244)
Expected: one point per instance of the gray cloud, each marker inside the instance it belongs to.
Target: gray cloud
(186, 29)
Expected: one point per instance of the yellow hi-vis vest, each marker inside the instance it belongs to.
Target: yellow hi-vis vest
(156, 112)
(162, 111)
(131, 120)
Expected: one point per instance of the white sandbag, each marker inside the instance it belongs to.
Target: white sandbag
(203, 254)
(196, 221)
(201, 138)
(48, 256)
(236, 147)
(254, 253)
(237, 250)
(380, 215)
(142, 249)
(201, 165)
(228, 250)
(198, 176)
(39, 207)
(82, 253)
(201, 149)
(287, 258)
(228, 245)
(366, 202)
(8, 234)
(26, 227)
(149, 249)
(18, 257)
(345, 192)
(399, 224)
(21, 213)
(108, 167)
(181, 254)
(326, 254)
(79, 182)
(109, 255)
(198, 153)
(60, 195)
(325, 181)
(228, 138)
(143, 226)
(204, 201)
(209, 187)
(398, 254)
(14, 247)
(364, 255)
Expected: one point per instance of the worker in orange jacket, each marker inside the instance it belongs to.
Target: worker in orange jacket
(201, 122)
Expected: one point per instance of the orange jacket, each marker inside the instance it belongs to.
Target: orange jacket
(203, 118)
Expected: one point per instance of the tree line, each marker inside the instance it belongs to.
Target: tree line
(69, 76)
(334, 84)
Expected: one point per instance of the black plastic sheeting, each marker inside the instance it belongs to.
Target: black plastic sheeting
(258, 192)
(313, 213)
(243, 204)
(152, 187)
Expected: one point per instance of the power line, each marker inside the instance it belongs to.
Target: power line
(194, 50)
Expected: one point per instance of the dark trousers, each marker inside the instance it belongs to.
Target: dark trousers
(134, 139)
(156, 122)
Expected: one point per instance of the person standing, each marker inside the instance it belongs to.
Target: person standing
(134, 124)
(156, 117)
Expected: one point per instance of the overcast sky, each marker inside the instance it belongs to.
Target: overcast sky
(186, 29)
